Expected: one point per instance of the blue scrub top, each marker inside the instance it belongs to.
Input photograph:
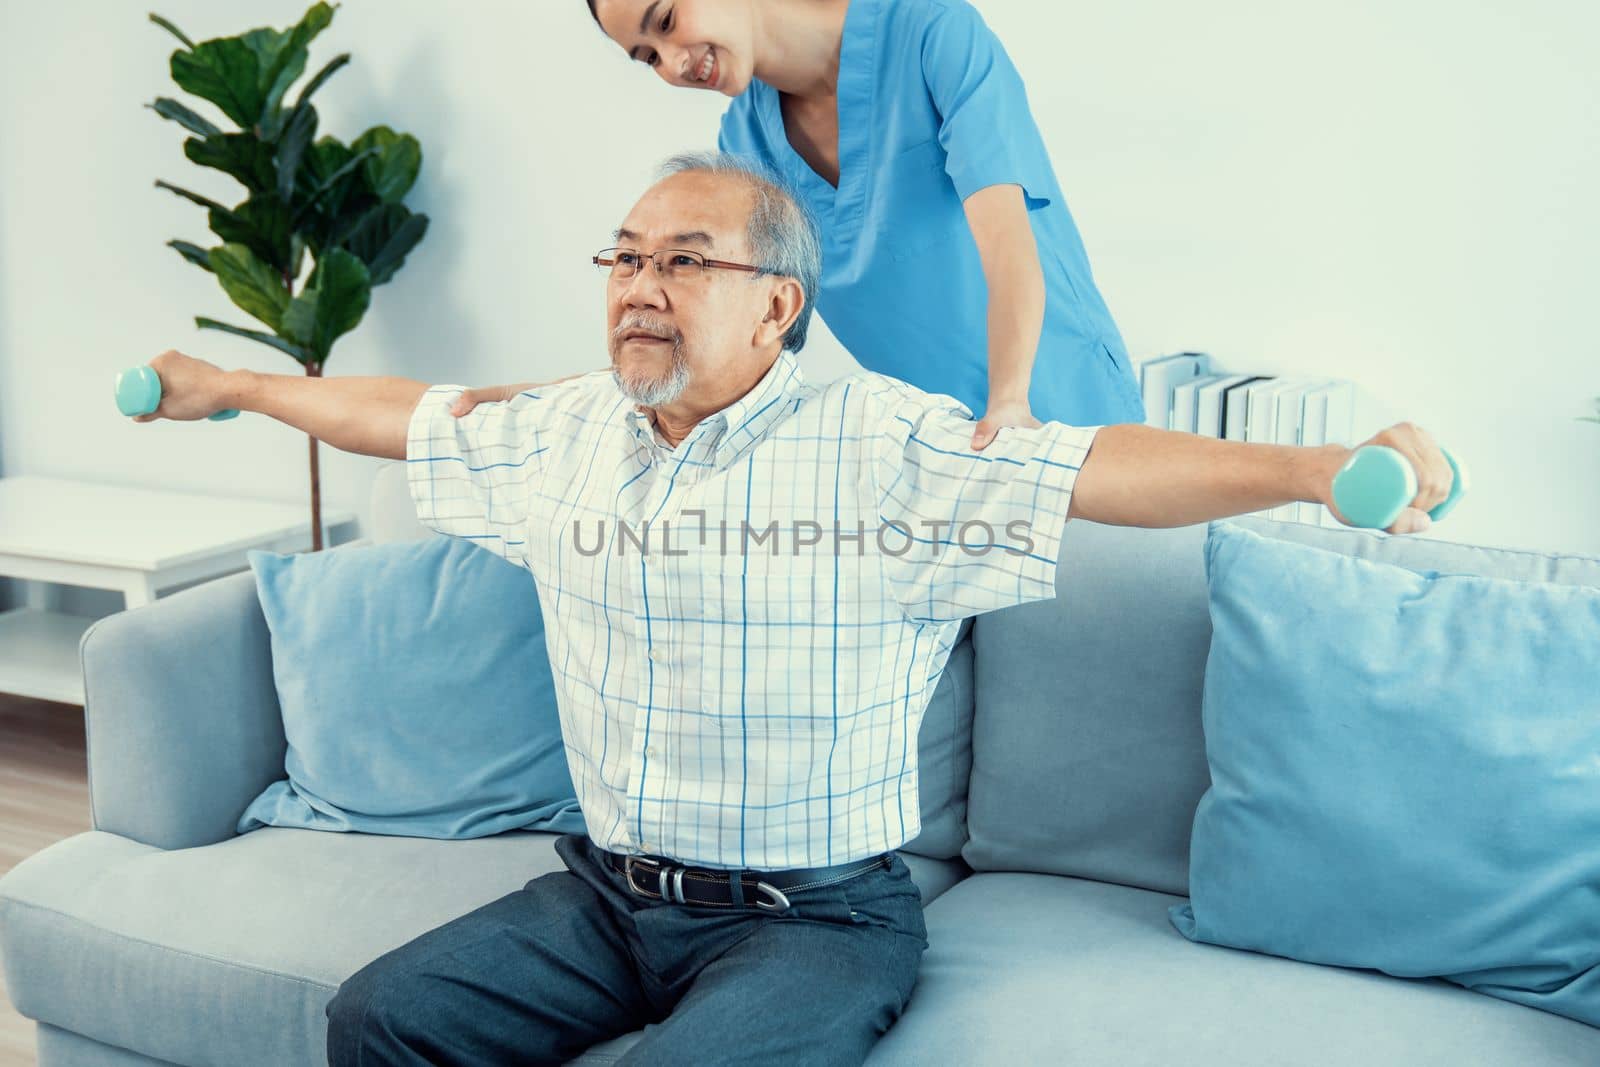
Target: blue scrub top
(931, 110)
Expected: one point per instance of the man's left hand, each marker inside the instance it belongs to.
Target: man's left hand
(998, 415)
(1434, 476)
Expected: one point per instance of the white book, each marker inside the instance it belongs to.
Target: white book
(1339, 426)
(1261, 417)
(1184, 396)
(1313, 432)
(1261, 425)
(1237, 417)
(1208, 403)
(1142, 365)
(1341, 413)
(1290, 404)
(1144, 372)
(1159, 376)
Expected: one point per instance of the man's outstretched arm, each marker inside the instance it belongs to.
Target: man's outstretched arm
(365, 415)
(1135, 475)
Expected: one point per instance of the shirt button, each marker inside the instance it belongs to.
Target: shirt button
(655, 654)
(651, 752)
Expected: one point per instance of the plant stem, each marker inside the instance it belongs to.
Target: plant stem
(314, 370)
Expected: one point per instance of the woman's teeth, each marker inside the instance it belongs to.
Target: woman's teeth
(706, 64)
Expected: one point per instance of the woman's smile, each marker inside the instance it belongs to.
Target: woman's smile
(709, 71)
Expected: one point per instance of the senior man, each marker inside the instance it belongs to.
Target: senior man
(753, 585)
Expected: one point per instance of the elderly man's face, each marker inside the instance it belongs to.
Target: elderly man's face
(670, 336)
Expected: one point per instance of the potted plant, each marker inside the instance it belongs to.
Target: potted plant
(303, 194)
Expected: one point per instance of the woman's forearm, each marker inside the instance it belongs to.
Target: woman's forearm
(365, 415)
(1016, 318)
(998, 217)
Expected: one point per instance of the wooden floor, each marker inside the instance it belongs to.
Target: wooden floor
(44, 797)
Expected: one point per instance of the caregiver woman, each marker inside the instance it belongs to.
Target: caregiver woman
(905, 128)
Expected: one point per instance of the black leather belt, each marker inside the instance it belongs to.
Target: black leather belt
(658, 878)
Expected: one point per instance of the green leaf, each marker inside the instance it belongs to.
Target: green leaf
(321, 76)
(383, 237)
(252, 285)
(280, 69)
(297, 254)
(170, 28)
(333, 185)
(226, 72)
(241, 155)
(168, 108)
(246, 76)
(260, 223)
(325, 157)
(255, 335)
(187, 195)
(193, 253)
(331, 305)
(296, 137)
(394, 170)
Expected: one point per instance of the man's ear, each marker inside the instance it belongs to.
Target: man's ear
(783, 307)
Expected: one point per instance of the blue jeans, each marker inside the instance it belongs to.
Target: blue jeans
(575, 957)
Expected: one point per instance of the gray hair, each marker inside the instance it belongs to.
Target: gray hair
(784, 240)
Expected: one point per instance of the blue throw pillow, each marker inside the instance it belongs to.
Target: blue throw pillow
(1405, 772)
(416, 694)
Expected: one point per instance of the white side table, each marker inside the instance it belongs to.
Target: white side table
(137, 541)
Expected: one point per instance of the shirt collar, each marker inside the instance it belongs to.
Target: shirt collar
(724, 436)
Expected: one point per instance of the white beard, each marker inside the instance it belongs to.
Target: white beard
(653, 392)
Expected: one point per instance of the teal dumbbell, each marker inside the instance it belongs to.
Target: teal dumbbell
(139, 393)
(1376, 483)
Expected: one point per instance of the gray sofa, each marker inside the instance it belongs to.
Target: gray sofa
(162, 937)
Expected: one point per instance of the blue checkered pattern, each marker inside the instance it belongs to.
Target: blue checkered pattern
(738, 686)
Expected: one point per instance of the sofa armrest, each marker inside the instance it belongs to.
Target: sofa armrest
(181, 714)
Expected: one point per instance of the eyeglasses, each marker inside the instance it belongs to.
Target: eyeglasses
(679, 265)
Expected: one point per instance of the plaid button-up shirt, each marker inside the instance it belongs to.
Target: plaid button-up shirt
(746, 629)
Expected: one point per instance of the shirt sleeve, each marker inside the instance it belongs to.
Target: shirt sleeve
(982, 530)
(476, 476)
(986, 128)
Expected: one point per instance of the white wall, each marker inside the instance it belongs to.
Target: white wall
(1402, 192)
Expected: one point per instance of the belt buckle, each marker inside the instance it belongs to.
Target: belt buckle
(631, 861)
(780, 903)
(669, 882)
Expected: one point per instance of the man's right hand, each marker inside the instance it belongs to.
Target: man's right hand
(190, 388)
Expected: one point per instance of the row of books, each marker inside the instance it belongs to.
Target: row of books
(1184, 392)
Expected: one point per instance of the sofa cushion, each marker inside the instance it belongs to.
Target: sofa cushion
(944, 756)
(1382, 800)
(60, 1048)
(416, 694)
(1088, 756)
(1027, 968)
(228, 953)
